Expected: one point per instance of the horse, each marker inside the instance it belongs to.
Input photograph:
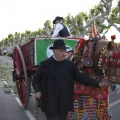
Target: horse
(94, 60)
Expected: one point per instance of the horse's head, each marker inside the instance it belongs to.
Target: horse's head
(101, 55)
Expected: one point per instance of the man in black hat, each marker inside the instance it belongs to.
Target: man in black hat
(53, 82)
(61, 30)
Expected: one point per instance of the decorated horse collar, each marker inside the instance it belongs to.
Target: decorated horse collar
(109, 62)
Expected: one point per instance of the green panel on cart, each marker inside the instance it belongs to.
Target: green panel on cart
(42, 50)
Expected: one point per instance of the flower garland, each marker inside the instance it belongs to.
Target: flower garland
(103, 62)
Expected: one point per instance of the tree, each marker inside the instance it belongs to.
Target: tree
(47, 28)
(6, 41)
(16, 37)
(2, 43)
(81, 24)
(114, 17)
(27, 34)
(11, 38)
(40, 32)
(22, 41)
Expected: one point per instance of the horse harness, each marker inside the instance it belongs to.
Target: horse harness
(84, 56)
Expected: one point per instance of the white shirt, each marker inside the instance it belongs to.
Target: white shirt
(58, 28)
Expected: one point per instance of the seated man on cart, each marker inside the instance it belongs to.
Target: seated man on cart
(61, 30)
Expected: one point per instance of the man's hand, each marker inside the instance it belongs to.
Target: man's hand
(38, 95)
(103, 84)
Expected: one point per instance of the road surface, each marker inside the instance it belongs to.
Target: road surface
(6, 59)
(11, 109)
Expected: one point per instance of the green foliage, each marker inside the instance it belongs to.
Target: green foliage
(6, 41)
(104, 27)
(40, 31)
(68, 19)
(23, 35)
(11, 38)
(17, 35)
(118, 4)
(28, 33)
(47, 24)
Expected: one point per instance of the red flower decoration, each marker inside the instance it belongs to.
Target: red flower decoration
(115, 55)
(104, 59)
(119, 55)
(113, 37)
(80, 44)
(108, 76)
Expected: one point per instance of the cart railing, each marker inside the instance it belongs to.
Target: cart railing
(28, 53)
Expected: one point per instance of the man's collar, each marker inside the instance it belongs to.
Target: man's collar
(55, 58)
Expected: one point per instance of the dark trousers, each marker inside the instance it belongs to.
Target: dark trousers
(59, 116)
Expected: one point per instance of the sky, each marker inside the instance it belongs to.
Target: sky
(22, 15)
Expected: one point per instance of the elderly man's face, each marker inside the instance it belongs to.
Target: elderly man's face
(59, 54)
(57, 21)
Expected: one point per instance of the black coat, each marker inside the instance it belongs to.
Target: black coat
(56, 82)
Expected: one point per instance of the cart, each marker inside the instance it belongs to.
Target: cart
(26, 59)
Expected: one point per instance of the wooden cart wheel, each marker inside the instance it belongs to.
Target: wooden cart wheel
(20, 75)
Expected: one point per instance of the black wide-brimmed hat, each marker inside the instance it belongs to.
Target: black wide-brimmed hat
(58, 44)
(57, 18)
